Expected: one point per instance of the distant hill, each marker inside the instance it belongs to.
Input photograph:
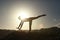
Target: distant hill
(42, 34)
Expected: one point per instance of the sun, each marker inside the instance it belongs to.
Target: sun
(23, 15)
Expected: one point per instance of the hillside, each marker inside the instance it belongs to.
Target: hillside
(43, 34)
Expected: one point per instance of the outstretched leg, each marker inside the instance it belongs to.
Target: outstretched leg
(33, 18)
(30, 23)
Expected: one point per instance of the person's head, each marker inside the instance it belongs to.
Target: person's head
(19, 18)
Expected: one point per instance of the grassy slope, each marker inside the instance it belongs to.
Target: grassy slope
(43, 34)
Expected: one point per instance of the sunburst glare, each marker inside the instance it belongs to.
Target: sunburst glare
(24, 14)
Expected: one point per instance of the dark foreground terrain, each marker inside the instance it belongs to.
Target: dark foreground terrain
(43, 34)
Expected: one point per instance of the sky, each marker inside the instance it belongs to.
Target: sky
(10, 10)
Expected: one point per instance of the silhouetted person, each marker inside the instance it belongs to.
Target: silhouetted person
(28, 20)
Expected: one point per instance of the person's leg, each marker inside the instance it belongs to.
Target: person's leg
(33, 18)
(30, 23)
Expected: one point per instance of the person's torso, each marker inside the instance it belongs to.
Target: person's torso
(27, 19)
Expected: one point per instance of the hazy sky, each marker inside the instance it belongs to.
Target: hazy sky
(10, 10)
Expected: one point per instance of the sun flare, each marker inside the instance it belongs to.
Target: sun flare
(23, 14)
